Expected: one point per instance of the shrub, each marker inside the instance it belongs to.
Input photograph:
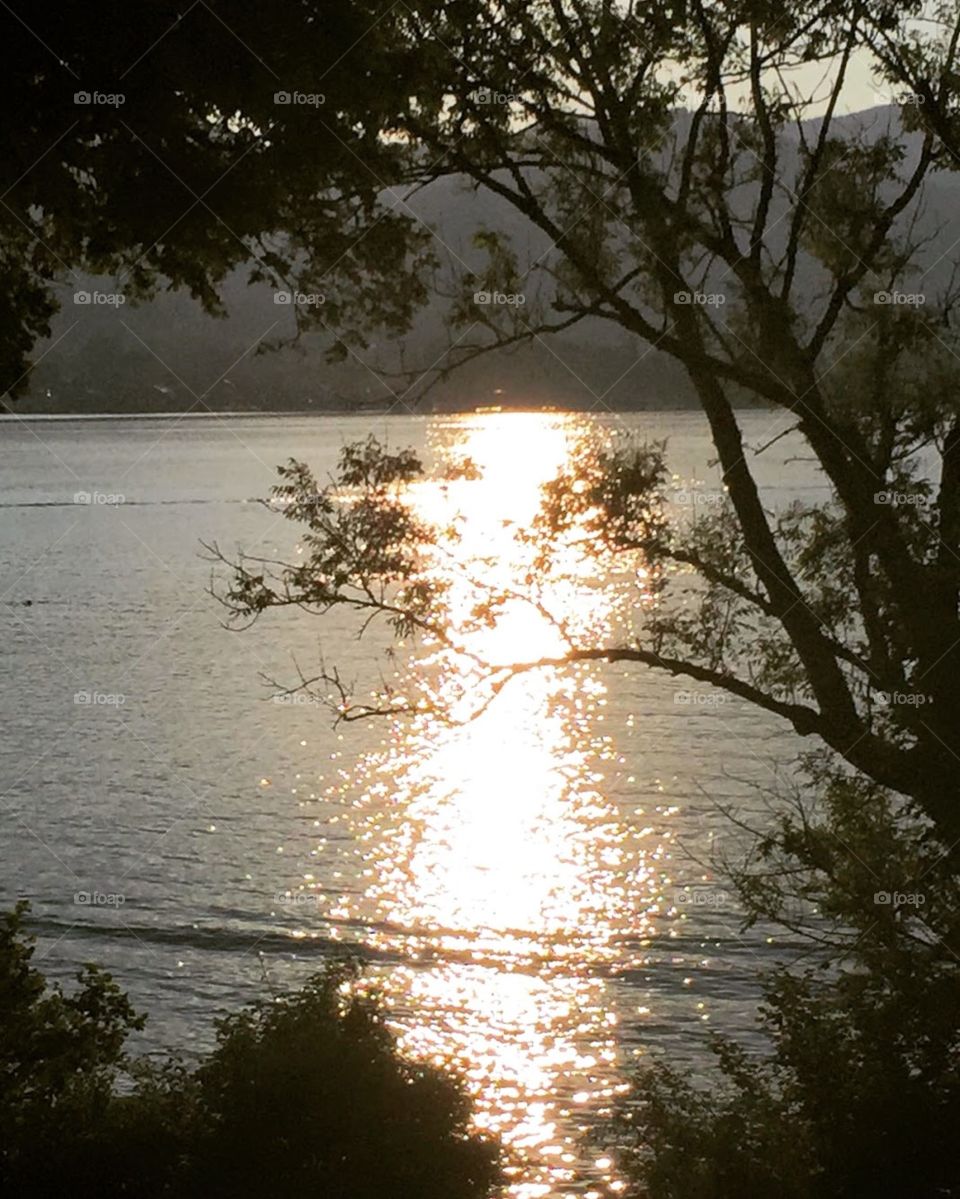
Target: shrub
(859, 1096)
(306, 1092)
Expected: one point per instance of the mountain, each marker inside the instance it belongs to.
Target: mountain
(168, 355)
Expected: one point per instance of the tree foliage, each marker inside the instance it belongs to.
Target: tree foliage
(860, 1093)
(670, 159)
(582, 118)
(695, 196)
(304, 1092)
(197, 170)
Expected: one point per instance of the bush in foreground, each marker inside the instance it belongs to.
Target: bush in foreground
(859, 1096)
(305, 1093)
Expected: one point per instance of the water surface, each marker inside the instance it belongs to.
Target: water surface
(512, 883)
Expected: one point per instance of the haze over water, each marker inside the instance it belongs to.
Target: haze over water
(511, 882)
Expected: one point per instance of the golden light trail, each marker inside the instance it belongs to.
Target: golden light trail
(496, 869)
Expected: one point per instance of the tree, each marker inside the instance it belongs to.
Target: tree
(304, 1091)
(853, 601)
(57, 1053)
(859, 1094)
(696, 198)
(156, 145)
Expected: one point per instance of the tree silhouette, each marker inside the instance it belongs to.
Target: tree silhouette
(302, 1091)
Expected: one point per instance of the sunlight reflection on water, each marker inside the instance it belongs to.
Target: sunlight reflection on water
(512, 885)
(494, 864)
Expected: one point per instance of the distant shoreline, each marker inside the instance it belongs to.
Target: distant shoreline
(16, 417)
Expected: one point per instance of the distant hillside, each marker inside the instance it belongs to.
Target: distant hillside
(163, 355)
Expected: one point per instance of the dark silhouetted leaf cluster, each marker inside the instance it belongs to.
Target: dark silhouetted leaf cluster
(304, 1094)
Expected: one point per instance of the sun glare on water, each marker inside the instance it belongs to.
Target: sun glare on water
(497, 871)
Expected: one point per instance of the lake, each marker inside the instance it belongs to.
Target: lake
(513, 884)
